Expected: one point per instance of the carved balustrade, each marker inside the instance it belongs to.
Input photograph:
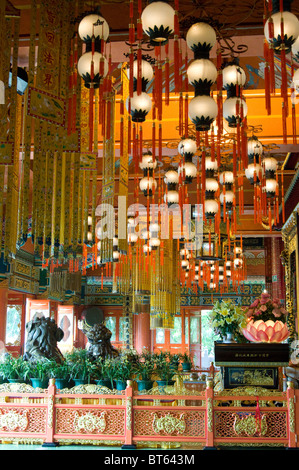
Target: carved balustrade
(173, 416)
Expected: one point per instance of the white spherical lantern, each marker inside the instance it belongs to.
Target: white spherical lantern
(147, 185)
(147, 162)
(93, 25)
(203, 111)
(147, 71)
(158, 21)
(171, 177)
(210, 164)
(270, 164)
(140, 106)
(211, 185)
(100, 68)
(154, 243)
(252, 172)
(295, 49)
(211, 207)
(187, 147)
(270, 187)
(254, 147)
(233, 75)
(228, 197)
(226, 177)
(202, 74)
(234, 110)
(189, 170)
(291, 30)
(200, 38)
(172, 197)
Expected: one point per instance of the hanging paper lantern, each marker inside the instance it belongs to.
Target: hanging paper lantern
(100, 67)
(290, 30)
(187, 147)
(188, 169)
(228, 197)
(295, 50)
(201, 38)
(211, 207)
(148, 184)
(202, 74)
(158, 21)
(171, 177)
(232, 76)
(252, 172)
(93, 26)
(270, 187)
(146, 73)
(172, 197)
(234, 110)
(203, 111)
(270, 166)
(147, 163)
(254, 148)
(140, 106)
(227, 177)
(211, 185)
(211, 165)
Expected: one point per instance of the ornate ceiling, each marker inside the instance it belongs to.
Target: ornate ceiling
(240, 27)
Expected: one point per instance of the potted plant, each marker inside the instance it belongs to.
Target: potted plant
(13, 368)
(121, 370)
(174, 360)
(101, 373)
(143, 370)
(228, 320)
(186, 361)
(165, 371)
(266, 321)
(38, 373)
(80, 366)
(61, 374)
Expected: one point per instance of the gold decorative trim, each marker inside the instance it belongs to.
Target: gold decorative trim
(13, 420)
(90, 422)
(169, 424)
(129, 414)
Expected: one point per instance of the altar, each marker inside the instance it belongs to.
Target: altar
(251, 364)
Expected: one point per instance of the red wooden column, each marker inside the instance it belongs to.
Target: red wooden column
(142, 332)
(50, 423)
(129, 425)
(3, 308)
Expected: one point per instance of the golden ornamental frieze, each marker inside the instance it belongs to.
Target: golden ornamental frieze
(250, 425)
(90, 389)
(250, 391)
(19, 388)
(90, 422)
(12, 421)
(169, 424)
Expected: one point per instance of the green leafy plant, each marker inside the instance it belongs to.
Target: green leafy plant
(79, 364)
(144, 367)
(59, 371)
(186, 358)
(37, 370)
(13, 367)
(164, 368)
(226, 317)
(121, 369)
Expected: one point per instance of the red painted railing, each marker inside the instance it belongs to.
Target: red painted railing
(93, 415)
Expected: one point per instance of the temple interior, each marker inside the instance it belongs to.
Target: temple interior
(149, 209)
